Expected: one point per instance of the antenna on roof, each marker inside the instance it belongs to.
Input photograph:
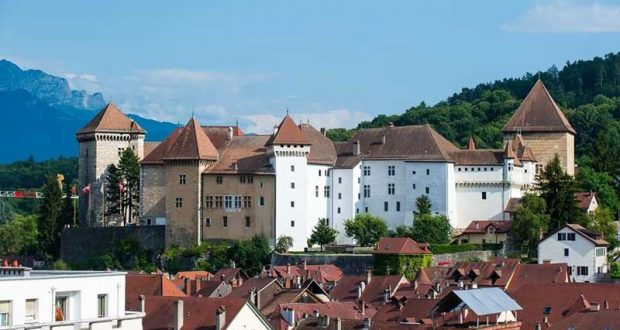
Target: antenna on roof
(237, 123)
(287, 111)
(192, 113)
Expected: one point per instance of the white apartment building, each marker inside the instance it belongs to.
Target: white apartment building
(63, 300)
(585, 252)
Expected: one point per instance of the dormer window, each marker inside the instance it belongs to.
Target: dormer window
(491, 230)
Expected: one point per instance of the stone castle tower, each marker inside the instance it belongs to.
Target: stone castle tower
(101, 143)
(544, 128)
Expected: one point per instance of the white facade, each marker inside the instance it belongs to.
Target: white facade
(249, 318)
(64, 300)
(584, 258)
(345, 200)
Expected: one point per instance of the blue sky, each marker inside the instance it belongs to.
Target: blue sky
(334, 63)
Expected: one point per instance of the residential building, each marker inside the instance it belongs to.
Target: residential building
(485, 232)
(36, 299)
(587, 201)
(584, 250)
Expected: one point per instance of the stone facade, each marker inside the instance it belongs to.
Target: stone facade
(241, 222)
(546, 144)
(153, 194)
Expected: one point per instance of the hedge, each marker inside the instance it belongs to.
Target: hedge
(449, 248)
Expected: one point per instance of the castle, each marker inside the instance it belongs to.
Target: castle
(215, 182)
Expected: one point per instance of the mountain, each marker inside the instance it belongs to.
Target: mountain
(40, 115)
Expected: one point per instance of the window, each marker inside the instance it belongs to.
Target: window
(237, 202)
(539, 168)
(179, 202)
(261, 201)
(219, 202)
(428, 190)
(414, 186)
(460, 169)
(209, 202)
(219, 179)
(208, 222)
(292, 185)
(327, 172)
(561, 236)
(339, 179)
(246, 179)
(5, 313)
(248, 222)
(32, 307)
(182, 179)
(566, 252)
(338, 210)
(247, 202)
(120, 151)
(601, 251)
(260, 184)
(582, 271)
(428, 171)
(385, 206)
(484, 195)
(570, 236)
(292, 168)
(366, 170)
(391, 170)
(316, 191)
(359, 179)
(228, 202)
(366, 191)
(320, 172)
(225, 221)
(292, 223)
(391, 188)
(102, 305)
(339, 195)
(326, 191)
(413, 172)
(292, 204)
(366, 209)
(149, 221)
(397, 206)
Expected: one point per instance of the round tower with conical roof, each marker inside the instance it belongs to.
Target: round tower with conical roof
(101, 143)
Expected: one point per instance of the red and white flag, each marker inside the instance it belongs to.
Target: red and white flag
(121, 187)
(86, 189)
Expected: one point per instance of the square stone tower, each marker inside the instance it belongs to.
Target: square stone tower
(102, 141)
(544, 128)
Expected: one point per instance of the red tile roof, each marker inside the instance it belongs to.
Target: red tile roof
(192, 143)
(149, 285)
(194, 274)
(199, 312)
(322, 151)
(538, 113)
(243, 155)
(538, 273)
(288, 133)
(411, 308)
(373, 293)
(480, 226)
(344, 310)
(320, 273)
(401, 246)
(593, 236)
(584, 199)
(111, 119)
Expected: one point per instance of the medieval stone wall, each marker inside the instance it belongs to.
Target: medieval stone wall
(546, 145)
(153, 193)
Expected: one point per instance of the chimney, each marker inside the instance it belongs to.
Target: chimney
(323, 321)
(606, 304)
(298, 282)
(367, 324)
(316, 313)
(198, 284)
(383, 139)
(390, 124)
(363, 307)
(537, 326)
(304, 264)
(178, 314)
(252, 296)
(368, 276)
(338, 324)
(230, 133)
(220, 318)
(288, 268)
(232, 262)
(223, 278)
(323, 131)
(142, 303)
(188, 286)
(386, 295)
(415, 285)
(359, 291)
(357, 150)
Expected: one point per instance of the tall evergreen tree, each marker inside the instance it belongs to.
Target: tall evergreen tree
(322, 234)
(531, 221)
(423, 206)
(557, 188)
(50, 217)
(112, 192)
(129, 172)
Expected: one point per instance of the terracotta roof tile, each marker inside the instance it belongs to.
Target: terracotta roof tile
(478, 157)
(194, 274)
(151, 285)
(322, 150)
(192, 143)
(373, 293)
(157, 154)
(538, 113)
(288, 133)
(401, 246)
(480, 226)
(243, 155)
(333, 309)
(111, 119)
(412, 308)
(584, 199)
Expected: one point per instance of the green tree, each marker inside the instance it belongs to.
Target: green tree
(19, 236)
(603, 221)
(601, 183)
(6, 211)
(50, 217)
(69, 207)
(365, 229)
(423, 206)
(530, 222)
(557, 189)
(322, 234)
(434, 229)
(284, 243)
(251, 254)
(129, 172)
(113, 195)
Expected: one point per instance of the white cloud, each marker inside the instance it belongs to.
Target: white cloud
(263, 123)
(562, 16)
(88, 77)
(85, 81)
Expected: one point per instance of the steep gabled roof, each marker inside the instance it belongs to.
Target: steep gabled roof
(192, 143)
(593, 236)
(288, 133)
(111, 119)
(538, 113)
(401, 246)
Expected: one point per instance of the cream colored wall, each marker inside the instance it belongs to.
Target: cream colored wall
(546, 145)
(488, 237)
